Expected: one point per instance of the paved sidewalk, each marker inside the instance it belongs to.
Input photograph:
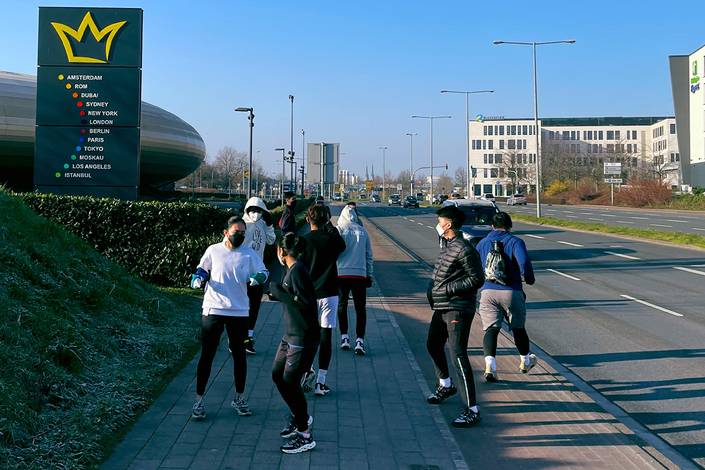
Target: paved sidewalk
(376, 416)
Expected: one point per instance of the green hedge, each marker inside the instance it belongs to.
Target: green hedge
(161, 242)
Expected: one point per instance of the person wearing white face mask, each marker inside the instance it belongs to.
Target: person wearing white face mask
(452, 294)
(260, 232)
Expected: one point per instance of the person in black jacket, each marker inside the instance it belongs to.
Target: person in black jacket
(451, 294)
(299, 343)
(323, 246)
(287, 221)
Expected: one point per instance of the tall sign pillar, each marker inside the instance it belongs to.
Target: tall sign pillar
(89, 81)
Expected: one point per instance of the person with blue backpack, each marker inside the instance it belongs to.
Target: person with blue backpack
(506, 262)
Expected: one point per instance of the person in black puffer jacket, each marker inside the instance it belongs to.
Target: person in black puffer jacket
(452, 293)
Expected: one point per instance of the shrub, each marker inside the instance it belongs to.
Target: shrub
(557, 187)
(643, 192)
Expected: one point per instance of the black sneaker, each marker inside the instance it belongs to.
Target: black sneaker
(467, 418)
(290, 429)
(441, 394)
(298, 444)
(250, 346)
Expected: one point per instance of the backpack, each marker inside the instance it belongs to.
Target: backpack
(496, 264)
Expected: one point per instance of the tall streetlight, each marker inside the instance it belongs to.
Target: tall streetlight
(303, 159)
(533, 45)
(411, 160)
(251, 118)
(467, 127)
(384, 170)
(281, 187)
(430, 120)
(292, 184)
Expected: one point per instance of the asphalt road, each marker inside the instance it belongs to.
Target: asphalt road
(627, 317)
(655, 219)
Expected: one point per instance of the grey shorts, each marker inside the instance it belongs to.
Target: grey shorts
(499, 305)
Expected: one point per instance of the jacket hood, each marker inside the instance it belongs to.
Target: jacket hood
(256, 202)
(348, 216)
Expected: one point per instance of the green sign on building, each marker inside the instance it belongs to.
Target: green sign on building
(88, 101)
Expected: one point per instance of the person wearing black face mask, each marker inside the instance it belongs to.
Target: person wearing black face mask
(225, 270)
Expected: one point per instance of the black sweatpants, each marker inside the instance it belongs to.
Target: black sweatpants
(453, 327)
(358, 287)
(211, 330)
(290, 364)
(254, 294)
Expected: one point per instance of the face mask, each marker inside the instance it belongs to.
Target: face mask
(255, 216)
(236, 239)
(440, 230)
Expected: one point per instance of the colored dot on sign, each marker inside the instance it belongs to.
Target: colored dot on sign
(57, 174)
(83, 121)
(68, 86)
(61, 76)
(83, 131)
(79, 104)
(73, 157)
(66, 166)
(78, 148)
(82, 113)
(81, 140)
(75, 95)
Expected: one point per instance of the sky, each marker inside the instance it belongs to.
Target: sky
(359, 70)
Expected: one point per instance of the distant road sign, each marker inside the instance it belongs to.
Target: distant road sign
(613, 168)
(613, 180)
(399, 187)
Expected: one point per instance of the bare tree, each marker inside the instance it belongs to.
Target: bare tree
(231, 165)
(461, 177)
(444, 184)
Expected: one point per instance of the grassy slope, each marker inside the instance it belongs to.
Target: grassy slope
(679, 238)
(84, 345)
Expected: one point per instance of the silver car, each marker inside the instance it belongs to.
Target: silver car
(516, 199)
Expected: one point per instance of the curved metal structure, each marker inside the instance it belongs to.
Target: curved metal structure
(171, 148)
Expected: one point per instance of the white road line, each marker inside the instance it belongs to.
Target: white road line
(568, 243)
(587, 213)
(623, 222)
(678, 221)
(568, 212)
(609, 215)
(648, 304)
(593, 218)
(699, 229)
(535, 236)
(432, 228)
(565, 275)
(411, 220)
(622, 255)
(572, 216)
(419, 223)
(698, 265)
(688, 270)
(661, 225)
(640, 218)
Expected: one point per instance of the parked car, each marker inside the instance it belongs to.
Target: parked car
(411, 201)
(478, 217)
(394, 200)
(337, 197)
(516, 199)
(363, 197)
(375, 198)
(488, 197)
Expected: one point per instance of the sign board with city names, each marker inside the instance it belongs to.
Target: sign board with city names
(613, 180)
(106, 37)
(613, 168)
(87, 156)
(93, 96)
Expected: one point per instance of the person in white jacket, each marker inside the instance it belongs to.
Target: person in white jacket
(260, 232)
(355, 266)
(225, 270)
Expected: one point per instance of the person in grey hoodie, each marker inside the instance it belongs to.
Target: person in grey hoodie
(355, 268)
(260, 232)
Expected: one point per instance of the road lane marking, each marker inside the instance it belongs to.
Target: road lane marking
(419, 223)
(640, 218)
(432, 228)
(678, 221)
(688, 270)
(535, 236)
(565, 275)
(621, 255)
(411, 220)
(623, 222)
(698, 265)
(699, 229)
(568, 243)
(661, 225)
(648, 304)
(609, 215)
(594, 218)
(572, 216)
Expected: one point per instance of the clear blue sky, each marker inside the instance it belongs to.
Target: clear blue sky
(360, 69)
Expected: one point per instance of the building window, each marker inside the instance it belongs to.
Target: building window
(589, 148)
(577, 133)
(484, 156)
(489, 158)
(511, 144)
(525, 130)
(484, 130)
(629, 148)
(485, 172)
(496, 130)
(610, 135)
(616, 135)
(490, 144)
(673, 129)
(498, 158)
(486, 188)
(572, 135)
(513, 130)
(494, 172)
(484, 144)
(489, 130)
(501, 130)
(531, 130)
(501, 172)
(599, 135)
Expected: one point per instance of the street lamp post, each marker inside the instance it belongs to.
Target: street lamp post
(467, 129)
(411, 160)
(251, 118)
(384, 170)
(281, 187)
(533, 45)
(430, 120)
(303, 158)
(292, 183)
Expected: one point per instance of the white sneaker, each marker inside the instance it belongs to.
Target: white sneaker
(322, 389)
(526, 366)
(345, 344)
(360, 347)
(308, 380)
(198, 411)
(241, 407)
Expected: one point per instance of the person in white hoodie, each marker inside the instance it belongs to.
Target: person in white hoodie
(355, 268)
(260, 232)
(225, 270)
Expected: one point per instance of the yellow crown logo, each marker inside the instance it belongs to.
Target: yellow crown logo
(64, 32)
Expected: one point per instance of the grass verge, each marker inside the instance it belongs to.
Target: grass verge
(85, 345)
(678, 238)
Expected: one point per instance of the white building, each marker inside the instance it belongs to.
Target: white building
(503, 151)
(687, 83)
(347, 178)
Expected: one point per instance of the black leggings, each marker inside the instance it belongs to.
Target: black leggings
(358, 287)
(326, 351)
(452, 326)
(489, 342)
(254, 294)
(211, 331)
(289, 366)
